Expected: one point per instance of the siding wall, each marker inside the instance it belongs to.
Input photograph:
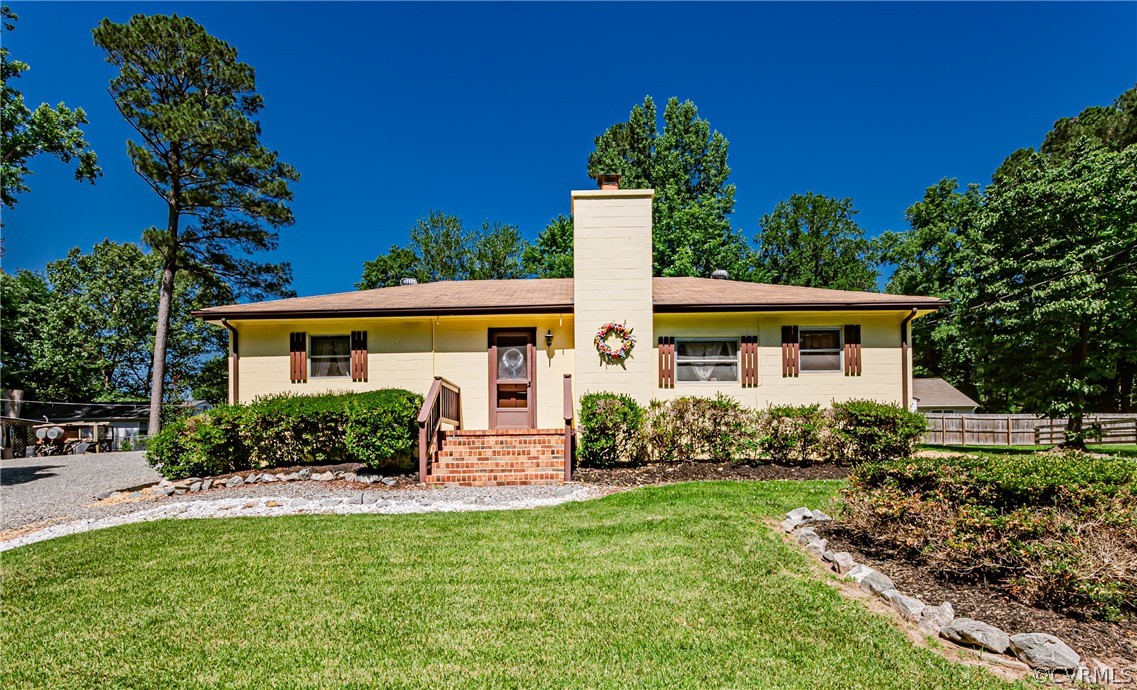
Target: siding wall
(880, 357)
(408, 353)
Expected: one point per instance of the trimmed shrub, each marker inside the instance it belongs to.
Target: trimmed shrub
(796, 435)
(382, 430)
(718, 429)
(1056, 530)
(207, 444)
(377, 428)
(611, 430)
(872, 432)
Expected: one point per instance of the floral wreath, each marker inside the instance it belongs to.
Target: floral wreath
(620, 352)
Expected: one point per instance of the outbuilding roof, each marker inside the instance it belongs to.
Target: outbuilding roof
(931, 392)
(554, 295)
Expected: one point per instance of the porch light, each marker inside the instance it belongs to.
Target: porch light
(549, 339)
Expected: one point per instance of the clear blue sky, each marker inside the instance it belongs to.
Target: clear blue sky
(488, 111)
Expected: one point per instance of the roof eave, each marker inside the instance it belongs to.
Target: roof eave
(801, 306)
(217, 316)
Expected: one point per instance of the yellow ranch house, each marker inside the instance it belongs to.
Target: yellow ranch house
(503, 362)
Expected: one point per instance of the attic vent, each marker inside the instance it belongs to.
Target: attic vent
(720, 274)
(408, 281)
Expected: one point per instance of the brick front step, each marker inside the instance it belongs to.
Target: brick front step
(499, 457)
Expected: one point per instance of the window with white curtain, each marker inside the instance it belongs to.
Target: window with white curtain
(706, 360)
(330, 356)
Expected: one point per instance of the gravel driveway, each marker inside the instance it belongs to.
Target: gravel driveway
(44, 490)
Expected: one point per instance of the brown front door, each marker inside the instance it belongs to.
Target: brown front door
(512, 390)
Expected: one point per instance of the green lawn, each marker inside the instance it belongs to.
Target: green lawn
(670, 587)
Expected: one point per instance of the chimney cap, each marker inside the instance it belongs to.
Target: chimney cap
(608, 181)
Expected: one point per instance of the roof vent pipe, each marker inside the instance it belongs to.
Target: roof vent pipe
(720, 274)
(408, 281)
(608, 181)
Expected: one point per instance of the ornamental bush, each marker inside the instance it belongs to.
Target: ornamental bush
(377, 428)
(611, 430)
(717, 429)
(870, 431)
(1057, 531)
(796, 435)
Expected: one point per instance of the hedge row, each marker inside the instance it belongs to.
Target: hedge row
(377, 428)
(615, 429)
(1056, 531)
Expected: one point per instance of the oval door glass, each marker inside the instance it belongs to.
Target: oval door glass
(511, 364)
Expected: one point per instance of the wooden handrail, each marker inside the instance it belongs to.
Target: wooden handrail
(569, 406)
(442, 405)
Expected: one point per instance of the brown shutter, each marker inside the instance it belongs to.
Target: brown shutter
(852, 350)
(298, 357)
(749, 361)
(359, 355)
(790, 350)
(666, 362)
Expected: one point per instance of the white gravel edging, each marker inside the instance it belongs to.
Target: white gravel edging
(387, 504)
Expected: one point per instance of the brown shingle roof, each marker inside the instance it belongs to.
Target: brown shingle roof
(555, 295)
(939, 393)
(705, 294)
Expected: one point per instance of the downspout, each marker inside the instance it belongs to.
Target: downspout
(235, 369)
(904, 356)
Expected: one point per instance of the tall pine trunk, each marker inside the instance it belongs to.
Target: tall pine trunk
(161, 334)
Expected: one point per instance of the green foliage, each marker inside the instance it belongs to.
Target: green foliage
(795, 435)
(870, 431)
(26, 133)
(377, 428)
(441, 248)
(1052, 290)
(83, 331)
(551, 255)
(685, 163)
(690, 428)
(1039, 269)
(930, 259)
(193, 105)
(383, 429)
(611, 430)
(204, 445)
(1056, 530)
(812, 240)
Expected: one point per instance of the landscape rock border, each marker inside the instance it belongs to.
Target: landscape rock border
(193, 485)
(1041, 652)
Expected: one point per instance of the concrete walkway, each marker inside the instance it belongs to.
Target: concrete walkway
(48, 489)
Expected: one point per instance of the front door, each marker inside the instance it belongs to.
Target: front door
(512, 391)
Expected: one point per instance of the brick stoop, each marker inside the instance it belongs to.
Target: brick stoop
(499, 457)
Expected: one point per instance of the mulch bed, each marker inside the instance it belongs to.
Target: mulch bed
(1113, 643)
(666, 473)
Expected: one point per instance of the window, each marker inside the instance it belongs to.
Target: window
(820, 349)
(330, 355)
(706, 360)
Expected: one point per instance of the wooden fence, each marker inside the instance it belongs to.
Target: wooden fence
(1020, 429)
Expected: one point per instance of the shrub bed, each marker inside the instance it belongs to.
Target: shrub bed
(616, 430)
(1058, 531)
(377, 428)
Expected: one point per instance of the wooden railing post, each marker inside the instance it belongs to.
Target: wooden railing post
(443, 403)
(568, 409)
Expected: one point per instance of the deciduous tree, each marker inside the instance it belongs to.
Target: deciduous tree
(26, 133)
(685, 162)
(551, 255)
(813, 240)
(442, 248)
(192, 104)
